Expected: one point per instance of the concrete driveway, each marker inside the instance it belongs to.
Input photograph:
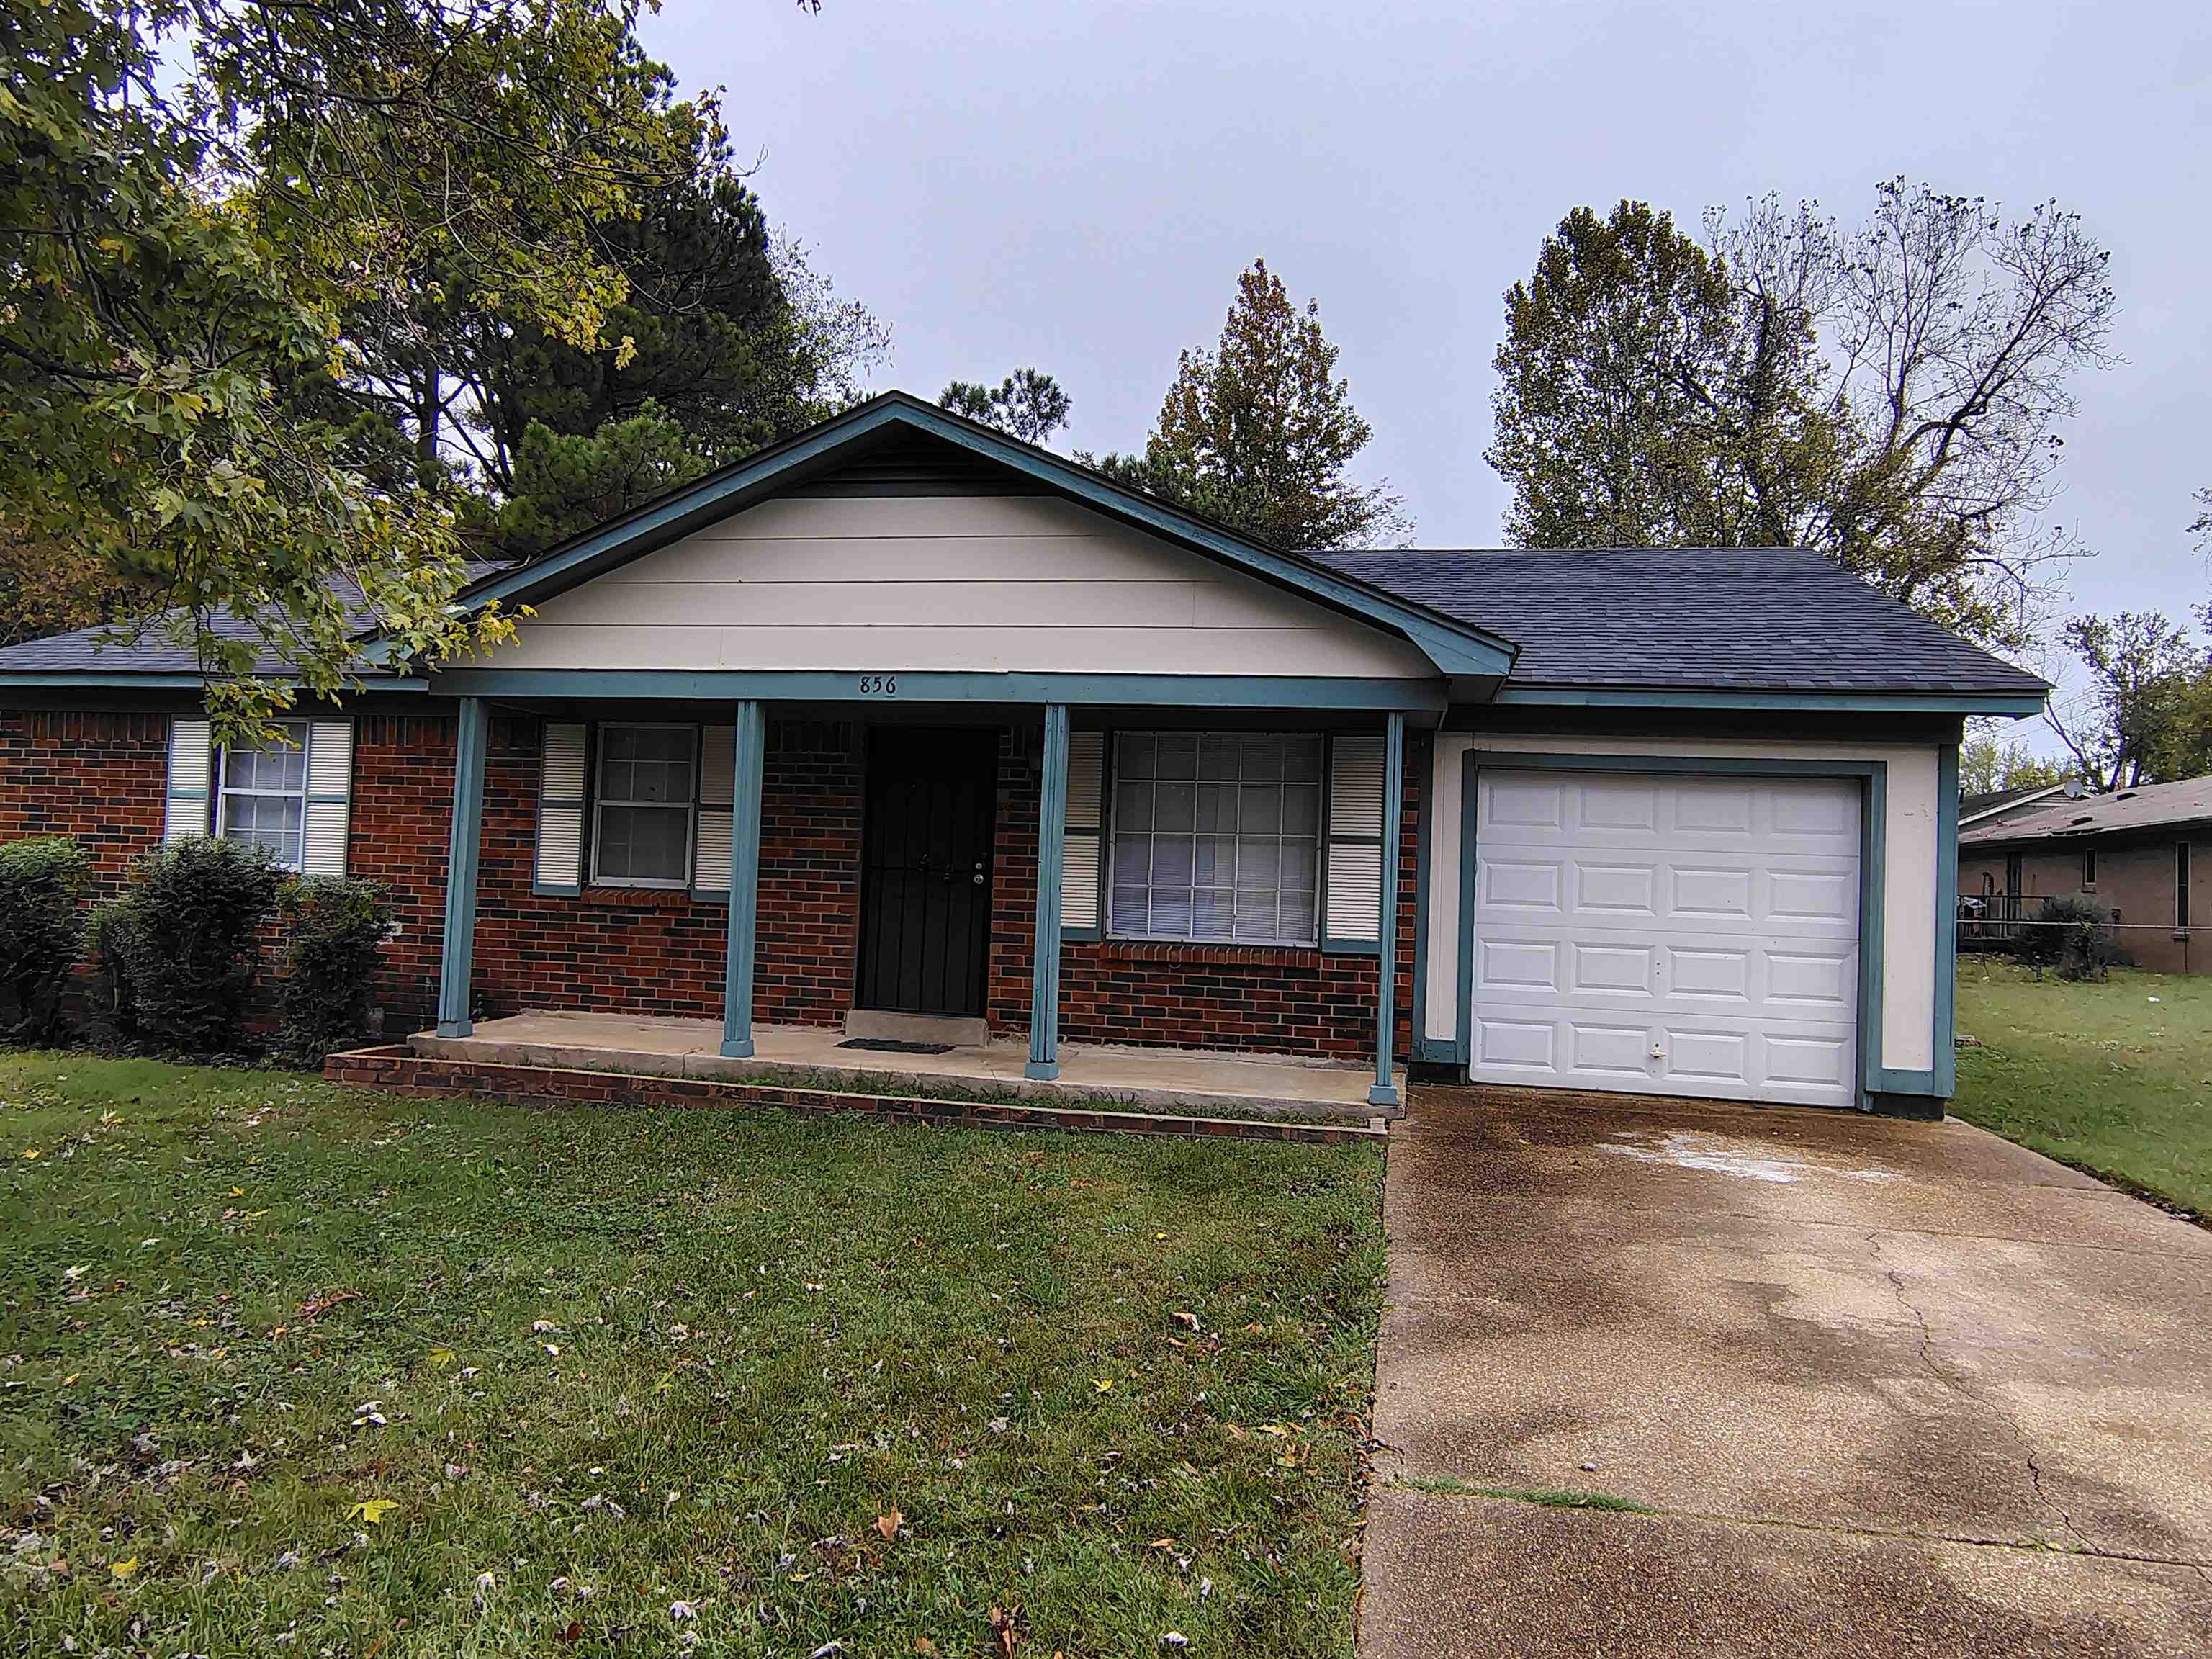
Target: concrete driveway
(1876, 1388)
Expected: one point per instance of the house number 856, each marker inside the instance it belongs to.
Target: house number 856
(879, 685)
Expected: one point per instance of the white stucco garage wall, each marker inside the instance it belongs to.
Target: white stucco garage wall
(1912, 862)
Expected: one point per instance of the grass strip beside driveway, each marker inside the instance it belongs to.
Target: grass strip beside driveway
(294, 1368)
(2113, 1076)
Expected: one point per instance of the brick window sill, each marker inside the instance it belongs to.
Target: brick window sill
(1225, 955)
(637, 898)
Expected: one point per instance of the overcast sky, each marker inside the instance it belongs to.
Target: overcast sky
(1073, 184)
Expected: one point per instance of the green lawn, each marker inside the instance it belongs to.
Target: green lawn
(804, 1382)
(2115, 1078)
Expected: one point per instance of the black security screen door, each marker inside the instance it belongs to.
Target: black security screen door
(926, 870)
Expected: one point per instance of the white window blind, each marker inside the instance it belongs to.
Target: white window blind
(192, 771)
(1080, 856)
(1355, 839)
(561, 748)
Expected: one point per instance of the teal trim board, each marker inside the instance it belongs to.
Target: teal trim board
(1052, 851)
(1205, 691)
(1873, 797)
(750, 752)
(1426, 1050)
(1946, 1054)
(457, 957)
(1385, 1092)
(1455, 648)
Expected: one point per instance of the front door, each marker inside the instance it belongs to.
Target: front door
(925, 869)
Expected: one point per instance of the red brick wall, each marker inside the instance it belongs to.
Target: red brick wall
(632, 949)
(1193, 996)
(101, 778)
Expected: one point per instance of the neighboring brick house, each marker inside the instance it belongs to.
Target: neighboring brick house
(2143, 853)
(902, 715)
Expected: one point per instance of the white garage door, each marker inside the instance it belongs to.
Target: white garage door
(1667, 934)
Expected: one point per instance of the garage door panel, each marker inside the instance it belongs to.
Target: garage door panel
(1521, 885)
(1824, 896)
(1529, 1046)
(1620, 1051)
(1819, 1062)
(1610, 969)
(1708, 974)
(1613, 891)
(1808, 980)
(1669, 934)
(1709, 1059)
(1518, 964)
(1525, 800)
(1707, 894)
(1706, 811)
(1617, 805)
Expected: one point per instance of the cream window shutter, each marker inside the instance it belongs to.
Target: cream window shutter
(330, 798)
(1355, 842)
(710, 859)
(191, 778)
(561, 775)
(1081, 849)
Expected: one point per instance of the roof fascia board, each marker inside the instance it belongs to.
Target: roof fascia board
(2002, 807)
(831, 686)
(178, 681)
(2017, 705)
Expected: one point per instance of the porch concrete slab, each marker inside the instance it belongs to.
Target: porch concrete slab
(1153, 1080)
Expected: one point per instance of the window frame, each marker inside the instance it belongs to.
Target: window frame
(595, 774)
(1112, 830)
(224, 791)
(2181, 895)
(2088, 869)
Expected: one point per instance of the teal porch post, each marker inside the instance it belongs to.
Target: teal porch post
(1052, 837)
(1385, 1092)
(457, 958)
(744, 881)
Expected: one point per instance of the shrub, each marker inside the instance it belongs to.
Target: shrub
(334, 928)
(40, 882)
(106, 936)
(2072, 933)
(186, 942)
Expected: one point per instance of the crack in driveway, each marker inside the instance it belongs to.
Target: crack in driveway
(1637, 1509)
(1951, 1380)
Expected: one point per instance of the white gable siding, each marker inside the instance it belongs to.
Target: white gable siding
(981, 583)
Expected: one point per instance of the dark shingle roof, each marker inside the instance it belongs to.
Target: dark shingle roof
(2143, 806)
(90, 651)
(1718, 618)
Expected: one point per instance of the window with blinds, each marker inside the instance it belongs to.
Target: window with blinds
(1216, 836)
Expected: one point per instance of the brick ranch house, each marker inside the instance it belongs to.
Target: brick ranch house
(903, 718)
(2143, 853)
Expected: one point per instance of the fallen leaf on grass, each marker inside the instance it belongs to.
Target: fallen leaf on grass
(441, 1358)
(1188, 1321)
(372, 1509)
(1006, 1626)
(123, 1568)
(888, 1523)
(569, 1632)
(1103, 1384)
(316, 1306)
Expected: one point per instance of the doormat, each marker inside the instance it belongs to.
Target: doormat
(893, 1046)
